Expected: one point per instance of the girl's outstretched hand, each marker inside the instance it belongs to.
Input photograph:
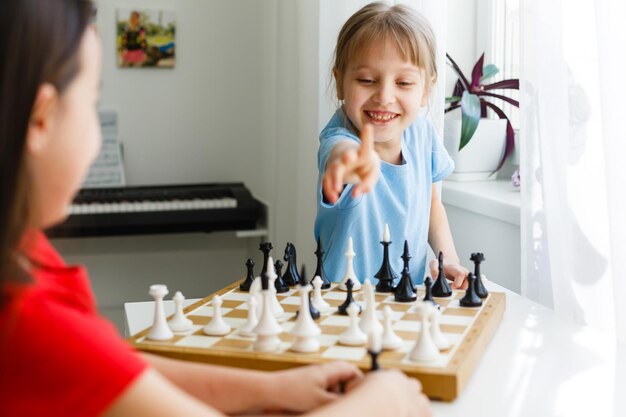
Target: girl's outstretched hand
(358, 165)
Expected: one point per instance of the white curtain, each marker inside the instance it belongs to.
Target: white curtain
(573, 70)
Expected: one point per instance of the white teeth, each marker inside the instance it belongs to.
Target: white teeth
(381, 117)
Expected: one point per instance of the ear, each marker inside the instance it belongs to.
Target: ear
(338, 83)
(41, 119)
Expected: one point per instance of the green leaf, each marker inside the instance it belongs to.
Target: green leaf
(453, 99)
(470, 109)
(489, 71)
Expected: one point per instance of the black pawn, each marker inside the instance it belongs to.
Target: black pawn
(265, 247)
(385, 275)
(477, 258)
(405, 259)
(279, 284)
(245, 286)
(428, 284)
(471, 299)
(291, 277)
(343, 309)
(319, 271)
(315, 313)
(404, 290)
(441, 288)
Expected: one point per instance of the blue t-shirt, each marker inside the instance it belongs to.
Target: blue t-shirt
(400, 198)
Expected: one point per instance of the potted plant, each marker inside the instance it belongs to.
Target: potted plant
(481, 159)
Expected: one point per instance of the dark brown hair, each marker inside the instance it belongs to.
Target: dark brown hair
(39, 43)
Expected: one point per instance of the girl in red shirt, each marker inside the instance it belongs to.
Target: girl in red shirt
(57, 356)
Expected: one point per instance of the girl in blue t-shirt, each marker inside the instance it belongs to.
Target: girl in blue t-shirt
(378, 156)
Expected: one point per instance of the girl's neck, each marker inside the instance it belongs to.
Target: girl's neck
(390, 151)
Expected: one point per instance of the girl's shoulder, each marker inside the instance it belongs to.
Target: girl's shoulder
(421, 131)
(338, 128)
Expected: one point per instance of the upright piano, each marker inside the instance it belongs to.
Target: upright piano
(160, 209)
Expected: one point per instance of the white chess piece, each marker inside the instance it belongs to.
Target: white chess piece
(247, 329)
(217, 326)
(277, 309)
(424, 349)
(160, 330)
(267, 329)
(369, 321)
(306, 332)
(255, 292)
(179, 323)
(318, 301)
(386, 235)
(391, 341)
(349, 270)
(440, 340)
(353, 336)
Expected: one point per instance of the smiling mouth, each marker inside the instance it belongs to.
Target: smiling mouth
(381, 117)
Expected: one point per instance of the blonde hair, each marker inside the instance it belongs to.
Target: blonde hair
(378, 23)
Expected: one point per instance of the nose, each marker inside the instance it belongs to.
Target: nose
(385, 93)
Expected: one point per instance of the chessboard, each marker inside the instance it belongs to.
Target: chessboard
(469, 330)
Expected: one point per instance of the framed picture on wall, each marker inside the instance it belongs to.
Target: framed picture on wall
(146, 38)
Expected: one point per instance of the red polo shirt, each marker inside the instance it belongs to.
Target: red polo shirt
(58, 357)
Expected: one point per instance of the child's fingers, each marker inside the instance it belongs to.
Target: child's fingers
(327, 187)
(368, 180)
(367, 140)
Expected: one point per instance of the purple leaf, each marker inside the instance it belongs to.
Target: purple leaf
(462, 78)
(510, 134)
(477, 72)
(458, 89)
(501, 97)
(502, 85)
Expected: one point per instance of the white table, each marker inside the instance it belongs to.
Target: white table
(537, 365)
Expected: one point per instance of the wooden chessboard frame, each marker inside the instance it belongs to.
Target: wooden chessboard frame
(443, 384)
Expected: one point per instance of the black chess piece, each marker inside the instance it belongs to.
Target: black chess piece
(477, 258)
(279, 284)
(441, 288)
(319, 271)
(385, 275)
(315, 313)
(374, 360)
(265, 247)
(245, 285)
(291, 277)
(428, 296)
(343, 309)
(471, 299)
(404, 290)
(406, 257)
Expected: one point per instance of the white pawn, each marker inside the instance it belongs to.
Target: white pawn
(349, 270)
(267, 329)
(217, 326)
(424, 349)
(247, 329)
(440, 340)
(353, 336)
(179, 323)
(391, 341)
(369, 321)
(305, 329)
(160, 330)
(318, 301)
(277, 309)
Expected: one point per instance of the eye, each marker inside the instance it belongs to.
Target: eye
(365, 80)
(405, 83)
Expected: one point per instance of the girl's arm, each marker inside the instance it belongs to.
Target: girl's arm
(440, 240)
(153, 395)
(233, 390)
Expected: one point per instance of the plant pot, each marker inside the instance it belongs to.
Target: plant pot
(478, 160)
